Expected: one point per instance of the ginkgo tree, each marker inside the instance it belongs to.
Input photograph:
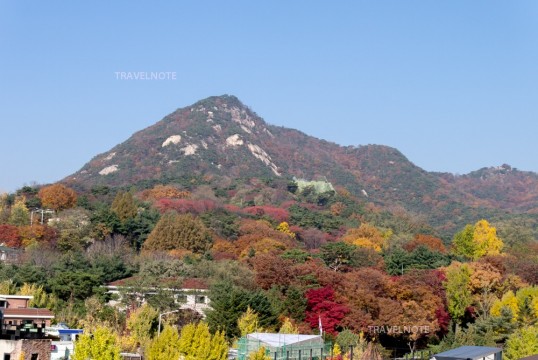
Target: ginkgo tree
(476, 241)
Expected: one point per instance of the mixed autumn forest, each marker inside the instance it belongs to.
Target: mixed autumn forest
(286, 231)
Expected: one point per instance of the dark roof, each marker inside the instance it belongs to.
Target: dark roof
(27, 312)
(467, 352)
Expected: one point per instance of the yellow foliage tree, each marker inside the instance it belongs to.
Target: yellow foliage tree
(366, 236)
(261, 354)
(288, 327)
(509, 301)
(284, 227)
(248, 322)
(486, 240)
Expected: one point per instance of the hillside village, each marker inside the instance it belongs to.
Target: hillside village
(213, 235)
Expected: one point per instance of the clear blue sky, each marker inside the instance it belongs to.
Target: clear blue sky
(451, 84)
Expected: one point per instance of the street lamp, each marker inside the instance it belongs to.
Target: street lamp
(160, 317)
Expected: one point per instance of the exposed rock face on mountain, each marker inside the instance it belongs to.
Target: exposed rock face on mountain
(221, 137)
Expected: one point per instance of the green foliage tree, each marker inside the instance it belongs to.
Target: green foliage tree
(101, 345)
(124, 206)
(477, 240)
(179, 231)
(338, 255)
(228, 303)
(463, 243)
(458, 293)
(347, 338)
(19, 213)
(74, 229)
(523, 342)
(165, 346)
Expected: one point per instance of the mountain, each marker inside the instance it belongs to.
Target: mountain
(220, 138)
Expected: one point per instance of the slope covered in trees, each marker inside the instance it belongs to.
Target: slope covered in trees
(310, 255)
(221, 144)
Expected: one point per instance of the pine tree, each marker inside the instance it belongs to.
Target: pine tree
(124, 206)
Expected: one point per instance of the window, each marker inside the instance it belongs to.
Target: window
(200, 299)
(34, 357)
(7, 356)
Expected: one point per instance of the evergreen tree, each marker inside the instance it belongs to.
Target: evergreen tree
(124, 206)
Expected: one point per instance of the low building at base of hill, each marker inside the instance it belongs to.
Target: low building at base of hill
(284, 346)
(22, 329)
(31, 349)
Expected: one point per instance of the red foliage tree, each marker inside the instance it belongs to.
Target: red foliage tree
(10, 236)
(183, 206)
(278, 214)
(321, 306)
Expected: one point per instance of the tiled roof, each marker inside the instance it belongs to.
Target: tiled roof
(27, 313)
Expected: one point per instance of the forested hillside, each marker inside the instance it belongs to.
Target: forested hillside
(286, 231)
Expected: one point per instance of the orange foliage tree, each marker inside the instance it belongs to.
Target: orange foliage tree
(431, 242)
(57, 197)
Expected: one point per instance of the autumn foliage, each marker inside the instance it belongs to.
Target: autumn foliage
(57, 197)
(10, 235)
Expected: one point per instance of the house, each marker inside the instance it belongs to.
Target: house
(22, 329)
(189, 294)
(63, 343)
(284, 346)
(470, 353)
(9, 255)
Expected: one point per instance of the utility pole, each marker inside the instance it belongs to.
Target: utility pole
(160, 318)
